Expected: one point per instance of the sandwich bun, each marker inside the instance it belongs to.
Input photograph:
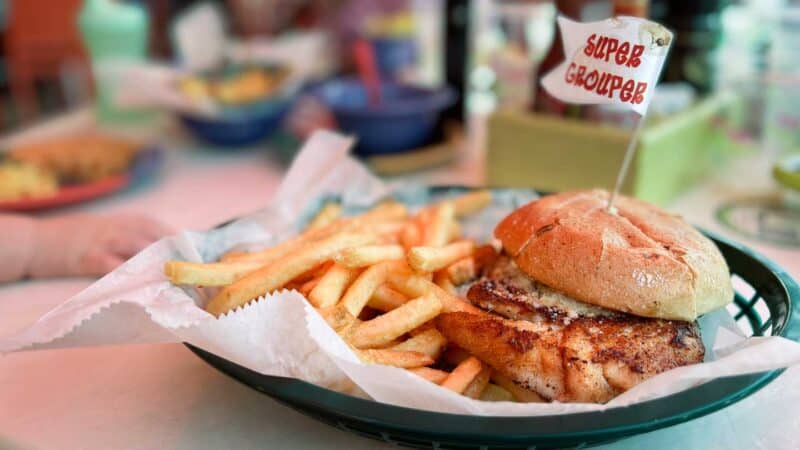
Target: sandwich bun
(638, 259)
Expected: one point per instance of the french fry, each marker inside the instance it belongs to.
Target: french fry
(390, 229)
(404, 360)
(443, 281)
(327, 214)
(306, 287)
(269, 254)
(347, 331)
(462, 271)
(387, 346)
(384, 212)
(453, 231)
(292, 245)
(386, 299)
(368, 255)
(476, 387)
(416, 286)
(429, 342)
(396, 322)
(381, 218)
(433, 375)
(429, 325)
(209, 274)
(359, 293)
(494, 393)
(331, 286)
(467, 269)
(520, 393)
(411, 235)
(431, 259)
(462, 375)
(384, 220)
(315, 272)
(337, 317)
(424, 216)
(278, 273)
(436, 232)
(471, 202)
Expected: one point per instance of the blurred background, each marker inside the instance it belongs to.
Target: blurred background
(111, 105)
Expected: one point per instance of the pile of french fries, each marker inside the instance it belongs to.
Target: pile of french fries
(379, 280)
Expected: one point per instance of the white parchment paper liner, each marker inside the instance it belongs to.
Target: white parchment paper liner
(281, 334)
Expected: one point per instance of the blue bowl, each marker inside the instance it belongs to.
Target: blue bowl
(241, 125)
(405, 119)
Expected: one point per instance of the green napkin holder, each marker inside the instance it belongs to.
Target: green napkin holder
(557, 154)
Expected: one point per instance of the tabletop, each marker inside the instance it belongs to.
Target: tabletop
(162, 396)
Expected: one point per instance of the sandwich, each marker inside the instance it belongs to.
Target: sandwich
(584, 303)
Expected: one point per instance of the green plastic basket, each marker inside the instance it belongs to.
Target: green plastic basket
(765, 303)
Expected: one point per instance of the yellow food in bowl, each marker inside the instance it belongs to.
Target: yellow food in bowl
(248, 86)
(195, 88)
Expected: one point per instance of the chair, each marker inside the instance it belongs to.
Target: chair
(43, 44)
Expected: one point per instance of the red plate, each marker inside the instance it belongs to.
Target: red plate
(69, 194)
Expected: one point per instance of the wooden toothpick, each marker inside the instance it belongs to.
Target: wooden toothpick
(626, 162)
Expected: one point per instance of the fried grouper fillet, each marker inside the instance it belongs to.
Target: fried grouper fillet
(563, 349)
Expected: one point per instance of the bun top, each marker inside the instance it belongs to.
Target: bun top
(640, 259)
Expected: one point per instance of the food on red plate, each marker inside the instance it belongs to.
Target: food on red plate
(19, 181)
(80, 158)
